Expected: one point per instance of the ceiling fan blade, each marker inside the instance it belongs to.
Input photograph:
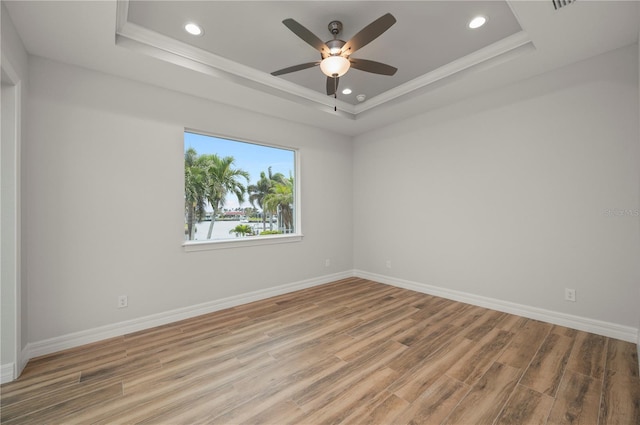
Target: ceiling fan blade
(295, 68)
(332, 85)
(372, 66)
(309, 37)
(368, 33)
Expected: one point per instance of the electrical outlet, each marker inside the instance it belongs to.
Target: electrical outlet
(123, 301)
(327, 262)
(388, 264)
(570, 294)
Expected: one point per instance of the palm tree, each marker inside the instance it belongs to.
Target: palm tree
(222, 179)
(280, 199)
(194, 191)
(259, 190)
(242, 229)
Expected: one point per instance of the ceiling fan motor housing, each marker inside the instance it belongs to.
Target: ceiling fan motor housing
(335, 27)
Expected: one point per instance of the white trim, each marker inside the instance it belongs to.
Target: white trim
(195, 246)
(6, 373)
(488, 53)
(76, 339)
(149, 42)
(16, 277)
(612, 330)
(258, 240)
(122, 14)
(22, 361)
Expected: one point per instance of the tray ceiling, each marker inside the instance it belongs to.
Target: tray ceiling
(431, 40)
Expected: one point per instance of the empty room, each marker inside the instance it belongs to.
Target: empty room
(320, 212)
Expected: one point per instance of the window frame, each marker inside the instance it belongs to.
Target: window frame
(297, 236)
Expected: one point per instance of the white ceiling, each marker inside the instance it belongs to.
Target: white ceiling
(439, 60)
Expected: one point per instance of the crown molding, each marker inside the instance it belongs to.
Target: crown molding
(516, 42)
(151, 43)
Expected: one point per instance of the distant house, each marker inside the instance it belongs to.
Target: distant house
(233, 215)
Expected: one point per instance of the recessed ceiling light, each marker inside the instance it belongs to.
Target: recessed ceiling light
(193, 29)
(477, 22)
(346, 91)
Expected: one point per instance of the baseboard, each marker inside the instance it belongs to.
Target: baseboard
(52, 345)
(638, 345)
(24, 359)
(48, 346)
(612, 330)
(6, 373)
(10, 371)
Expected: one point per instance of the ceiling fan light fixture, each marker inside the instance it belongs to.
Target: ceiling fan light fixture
(193, 29)
(335, 66)
(335, 46)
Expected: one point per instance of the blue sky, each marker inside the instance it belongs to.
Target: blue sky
(250, 157)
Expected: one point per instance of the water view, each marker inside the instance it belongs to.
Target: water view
(221, 230)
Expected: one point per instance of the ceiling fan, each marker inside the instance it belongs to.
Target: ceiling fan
(336, 54)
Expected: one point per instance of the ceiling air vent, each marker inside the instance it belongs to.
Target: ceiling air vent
(557, 4)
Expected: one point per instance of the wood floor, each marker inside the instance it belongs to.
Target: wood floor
(352, 351)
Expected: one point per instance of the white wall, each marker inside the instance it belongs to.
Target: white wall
(503, 196)
(506, 195)
(14, 65)
(104, 202)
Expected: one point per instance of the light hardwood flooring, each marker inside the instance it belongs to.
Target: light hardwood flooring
(352, 351)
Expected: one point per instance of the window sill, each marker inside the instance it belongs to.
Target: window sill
(194, 246)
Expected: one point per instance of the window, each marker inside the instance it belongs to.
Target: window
(236, 191)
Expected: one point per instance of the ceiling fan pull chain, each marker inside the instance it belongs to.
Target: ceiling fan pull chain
(335, 93)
